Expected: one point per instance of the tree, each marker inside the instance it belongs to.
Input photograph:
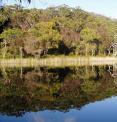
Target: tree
(88, 36)
(46, 31)
(11, 40)
(46, 36)
(3, 19)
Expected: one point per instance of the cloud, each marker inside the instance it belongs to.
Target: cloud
(69, 119)
(37, 118)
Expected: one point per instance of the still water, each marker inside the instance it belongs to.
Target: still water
(71, 94)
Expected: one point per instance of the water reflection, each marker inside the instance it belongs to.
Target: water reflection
(57, 94)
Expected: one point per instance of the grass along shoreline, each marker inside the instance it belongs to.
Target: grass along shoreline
(58, 61)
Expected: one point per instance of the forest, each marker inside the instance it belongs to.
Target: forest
(54, 31)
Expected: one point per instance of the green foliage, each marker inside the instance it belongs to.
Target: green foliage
(3, 19)
(12, 41)
(46, 31)
(55, 30)
(11, 34)
(89, 35)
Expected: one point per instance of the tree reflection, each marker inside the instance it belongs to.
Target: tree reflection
(53, 88)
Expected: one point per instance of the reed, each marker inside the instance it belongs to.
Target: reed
(58, 61)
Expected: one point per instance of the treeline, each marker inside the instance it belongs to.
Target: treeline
(57, 30)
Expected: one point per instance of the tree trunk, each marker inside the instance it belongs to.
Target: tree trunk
(5, 50)
(86, 51)
(21, 54)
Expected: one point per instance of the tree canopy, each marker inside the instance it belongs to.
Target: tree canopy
(55, 31)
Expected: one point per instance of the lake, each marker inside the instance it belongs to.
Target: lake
(58, 94)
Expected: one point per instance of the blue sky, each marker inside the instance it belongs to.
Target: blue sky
(103, 7)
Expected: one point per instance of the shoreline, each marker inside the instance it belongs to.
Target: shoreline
(58, 61)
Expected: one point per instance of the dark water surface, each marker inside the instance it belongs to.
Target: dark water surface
(71, 94)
